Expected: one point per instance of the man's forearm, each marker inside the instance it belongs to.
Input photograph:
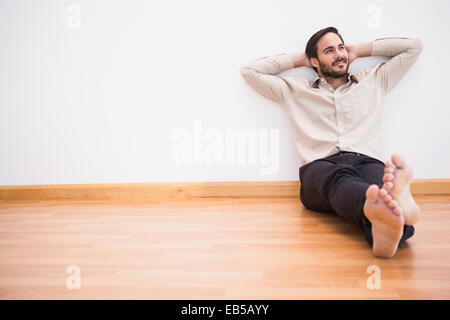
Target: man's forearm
(300, 60)
(363, 49)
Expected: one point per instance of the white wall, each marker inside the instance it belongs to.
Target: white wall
(105, 98)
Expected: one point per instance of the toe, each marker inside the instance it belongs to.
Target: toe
(383, 192)
(398, 160)
(372, 192)
(387, 198)
(388, 186)
(388, 177)
(389, 164)
(398, 211)
(388, 170)
(392, 203)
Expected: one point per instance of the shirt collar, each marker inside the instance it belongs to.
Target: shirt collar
(350, 76)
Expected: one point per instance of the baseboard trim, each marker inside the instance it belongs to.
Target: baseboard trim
(182, 190)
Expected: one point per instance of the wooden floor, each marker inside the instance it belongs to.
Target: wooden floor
(212, 249)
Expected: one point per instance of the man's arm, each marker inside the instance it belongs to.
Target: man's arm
(261, 74)
(358, 51)
(301, 60)
(403, 52)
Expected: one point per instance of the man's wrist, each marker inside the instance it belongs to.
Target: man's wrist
(363, 49)
(300, 60)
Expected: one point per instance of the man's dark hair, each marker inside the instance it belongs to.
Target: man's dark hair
(311, 46)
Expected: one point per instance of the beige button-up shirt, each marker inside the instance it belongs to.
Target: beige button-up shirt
(346, 119)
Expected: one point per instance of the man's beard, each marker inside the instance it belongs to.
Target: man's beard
(330, 72)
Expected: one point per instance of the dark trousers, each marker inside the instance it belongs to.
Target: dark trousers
(338, 184)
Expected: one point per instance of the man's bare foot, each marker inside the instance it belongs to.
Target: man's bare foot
(397, 179)
(387, 222)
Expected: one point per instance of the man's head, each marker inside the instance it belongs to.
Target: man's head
(325, 51)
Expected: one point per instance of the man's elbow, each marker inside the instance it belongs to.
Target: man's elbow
(418, 44)
(245, 69)
(247, 72)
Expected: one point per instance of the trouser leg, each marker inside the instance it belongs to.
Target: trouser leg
(347, 193)
(333, 187)
(314, 181)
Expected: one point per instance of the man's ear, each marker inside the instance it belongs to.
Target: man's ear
(314, 62)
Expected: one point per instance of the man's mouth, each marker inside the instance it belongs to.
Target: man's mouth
(340, 63)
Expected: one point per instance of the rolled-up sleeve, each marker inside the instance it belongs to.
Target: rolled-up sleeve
(261, 75)
(403, 52)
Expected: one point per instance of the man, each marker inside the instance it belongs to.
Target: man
(338, 121)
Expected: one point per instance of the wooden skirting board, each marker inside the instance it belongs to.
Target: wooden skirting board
(182, 190)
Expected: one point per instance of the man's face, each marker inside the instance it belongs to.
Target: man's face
(332, 59)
